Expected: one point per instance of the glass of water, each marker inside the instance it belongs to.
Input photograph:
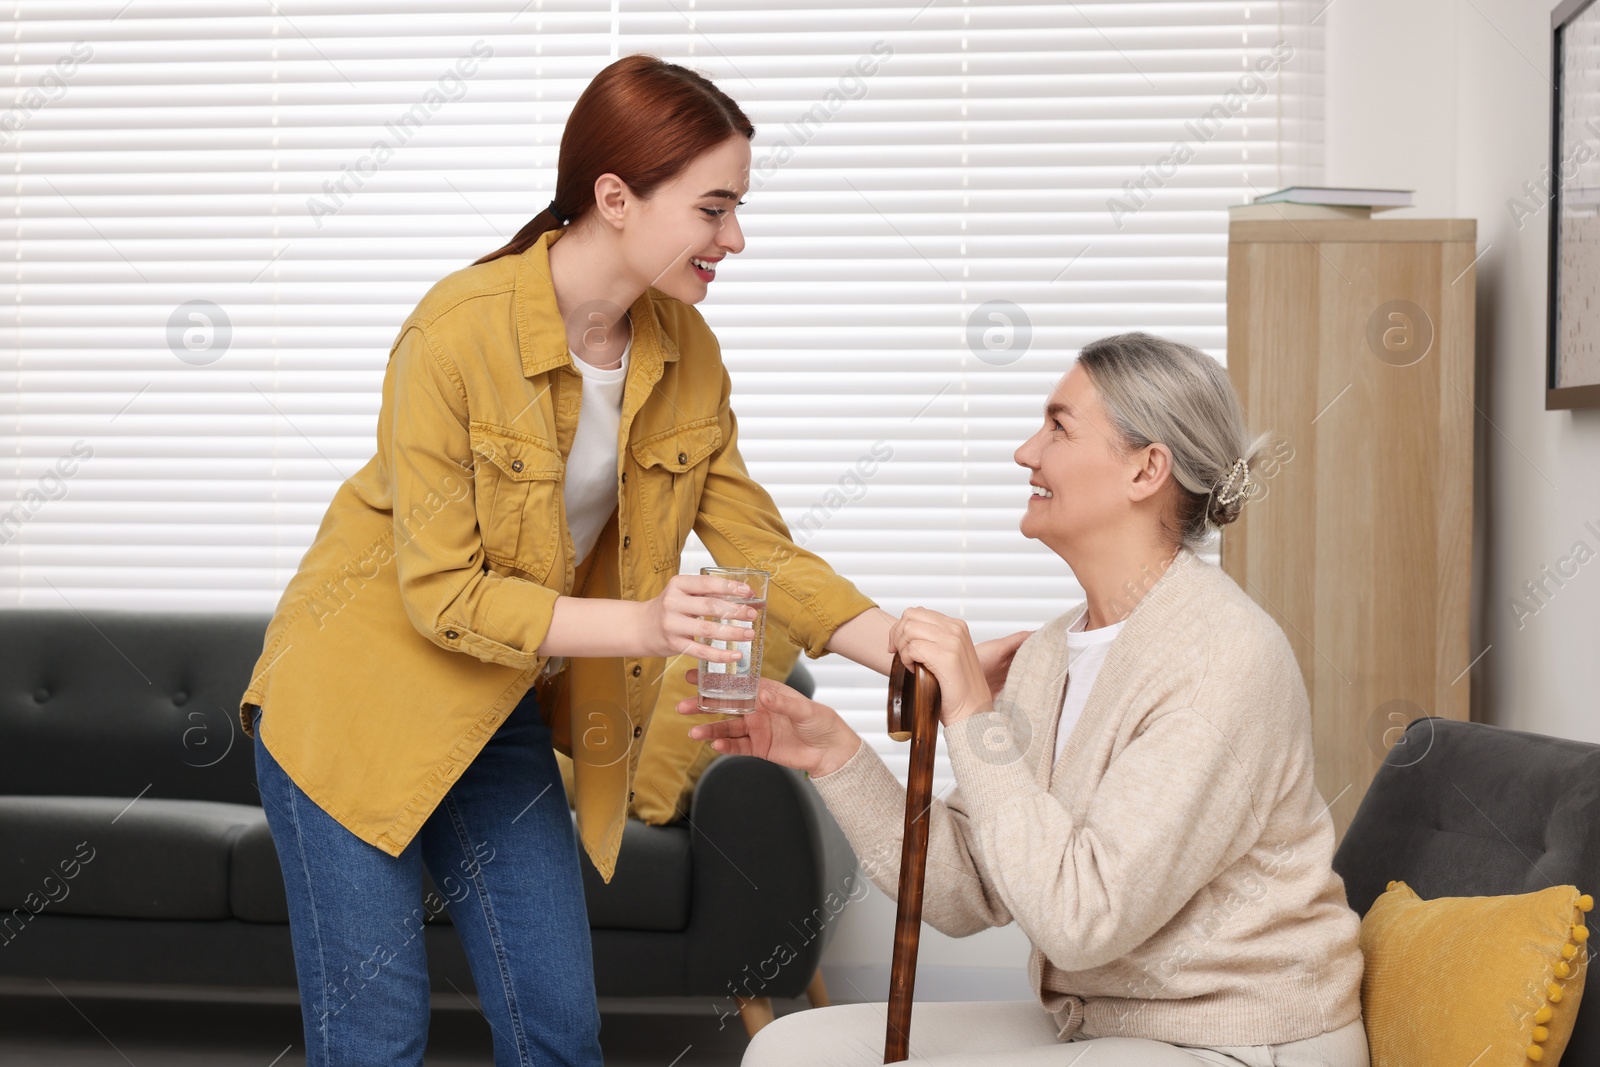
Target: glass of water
(730, 688)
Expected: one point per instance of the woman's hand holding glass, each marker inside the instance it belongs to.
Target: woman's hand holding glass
(676, 622)
(787, 728)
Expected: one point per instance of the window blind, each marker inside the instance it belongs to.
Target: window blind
(222, 210)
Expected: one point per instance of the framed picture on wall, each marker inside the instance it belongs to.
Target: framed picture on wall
(1572, 359)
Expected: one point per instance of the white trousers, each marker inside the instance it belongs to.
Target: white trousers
(1014, 1034)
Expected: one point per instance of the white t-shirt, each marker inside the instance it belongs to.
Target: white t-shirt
(590, 490)
(1086, 651)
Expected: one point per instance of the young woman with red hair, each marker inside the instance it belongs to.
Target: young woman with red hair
(500, 581)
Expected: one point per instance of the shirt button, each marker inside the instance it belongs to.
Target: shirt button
(451, 634)
(637, 670)
(630, 796)
(626, 541)
(637, 730)
(624, 477)
(516, 465)
(683, 457)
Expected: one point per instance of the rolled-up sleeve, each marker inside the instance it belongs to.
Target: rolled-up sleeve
(448, 591)
(740, 526)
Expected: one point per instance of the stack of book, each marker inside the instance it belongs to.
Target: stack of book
(1321, 202)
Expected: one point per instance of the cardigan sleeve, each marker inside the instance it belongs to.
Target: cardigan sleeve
(870, 804)
(1174, 808)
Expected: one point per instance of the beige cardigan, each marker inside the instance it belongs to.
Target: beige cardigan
(1175, 877)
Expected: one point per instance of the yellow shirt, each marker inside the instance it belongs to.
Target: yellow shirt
(411, 628)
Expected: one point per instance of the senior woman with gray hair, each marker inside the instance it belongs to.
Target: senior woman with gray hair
(1139, 798)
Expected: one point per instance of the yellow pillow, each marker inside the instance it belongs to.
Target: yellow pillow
(672, 761)
(1487, 981)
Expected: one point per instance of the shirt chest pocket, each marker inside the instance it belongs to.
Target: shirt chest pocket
(518, 498)
(671, 471)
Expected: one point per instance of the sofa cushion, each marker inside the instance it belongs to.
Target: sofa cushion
(650, 890)
(650, 887)
(118, 703)
(1457, 980)
(256, 887)
(106, 856)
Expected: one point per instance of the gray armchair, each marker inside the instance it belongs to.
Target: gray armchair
(1461, 809)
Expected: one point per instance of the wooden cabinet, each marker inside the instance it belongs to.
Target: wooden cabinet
(1353, 340)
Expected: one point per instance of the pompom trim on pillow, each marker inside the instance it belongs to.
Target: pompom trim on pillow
(1563, 968)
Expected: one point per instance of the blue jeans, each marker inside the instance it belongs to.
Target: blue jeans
(501, 849)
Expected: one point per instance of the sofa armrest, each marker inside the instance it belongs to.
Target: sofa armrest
(770, 874)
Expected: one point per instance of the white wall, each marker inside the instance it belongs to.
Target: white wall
(1453, 99)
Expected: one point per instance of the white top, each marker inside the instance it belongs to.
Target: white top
(1086, 651)
(590, 490)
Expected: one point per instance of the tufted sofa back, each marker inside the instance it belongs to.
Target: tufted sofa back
(119, 703)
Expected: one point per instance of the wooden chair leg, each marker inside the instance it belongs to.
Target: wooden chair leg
(756, 1012)
(817, 991)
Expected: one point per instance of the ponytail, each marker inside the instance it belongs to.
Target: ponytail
(536, 227)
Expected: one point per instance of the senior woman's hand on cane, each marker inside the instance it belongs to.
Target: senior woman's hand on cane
(787, 728)
(944, 645)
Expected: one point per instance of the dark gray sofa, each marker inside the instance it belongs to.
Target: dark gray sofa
(133, 847)
(1465, 809)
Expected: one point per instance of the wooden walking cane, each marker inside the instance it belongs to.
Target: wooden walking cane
(913, 716)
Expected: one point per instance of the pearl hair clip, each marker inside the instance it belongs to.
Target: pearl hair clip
(1246, 488)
